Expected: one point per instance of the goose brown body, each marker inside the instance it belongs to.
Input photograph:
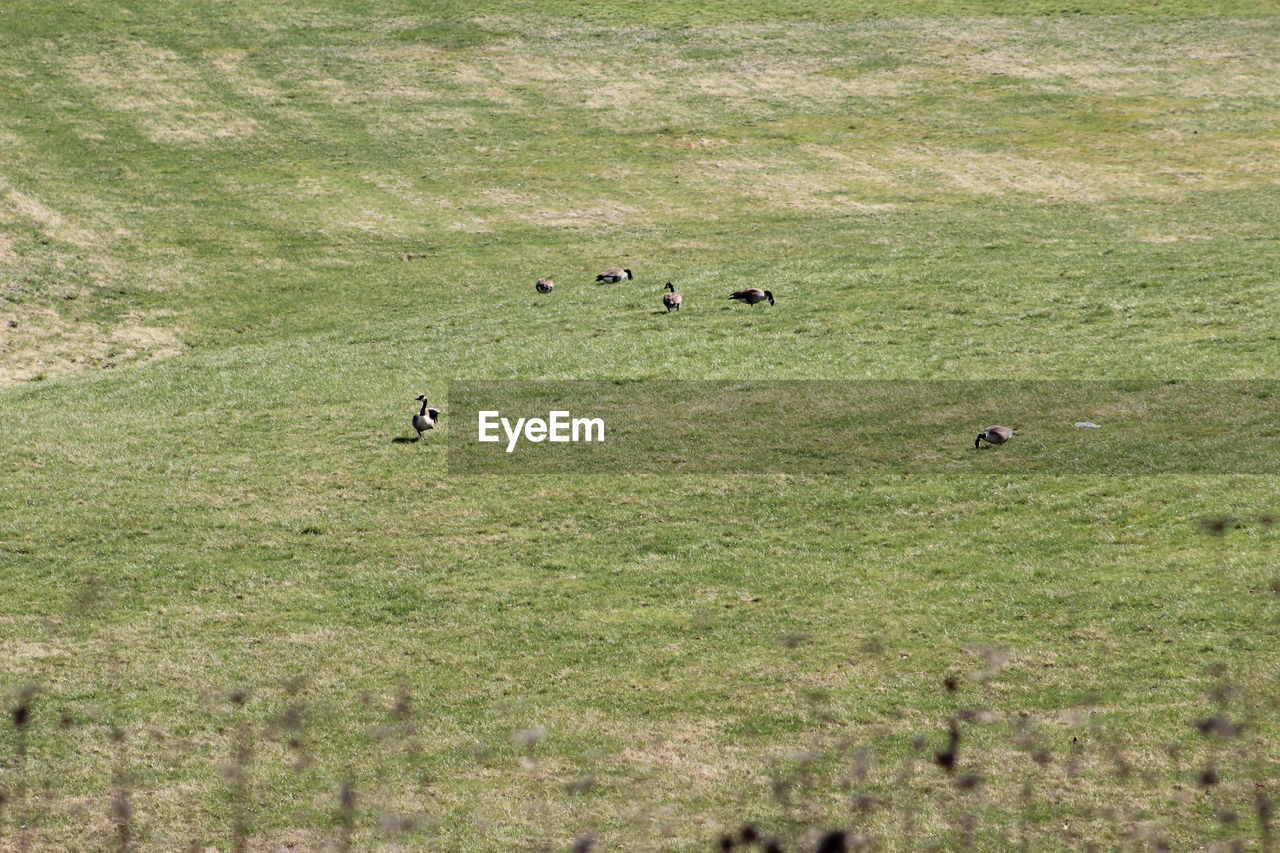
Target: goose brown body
(993, 435)
(672, 299)
(613, 275)
(752, 295)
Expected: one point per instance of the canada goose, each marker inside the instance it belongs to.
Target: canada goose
(613, 275)
(993, 435)
(672, 299)
(425, 419)
(752, 295)
(545, 285)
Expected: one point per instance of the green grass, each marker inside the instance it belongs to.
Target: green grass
(209, 339)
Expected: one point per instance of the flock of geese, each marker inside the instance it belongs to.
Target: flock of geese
(426, 417)
(671, 298)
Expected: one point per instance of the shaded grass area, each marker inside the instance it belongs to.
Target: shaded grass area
(928, 197)
(857, 427)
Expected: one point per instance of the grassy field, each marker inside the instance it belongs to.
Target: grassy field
(238, 238)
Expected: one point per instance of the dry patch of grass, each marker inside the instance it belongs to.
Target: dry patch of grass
(823, 80)
(821, 66)
(692, 750)
(43, 342)
(46, 218)
(44, 330)
(811, 113)
(984, 173)
(594, 217)
(800, 183)
(1172, 238)
(400, 124)
(693, 143)
(1220, 57)
(604, 216)
(168, 97)
(23, 650)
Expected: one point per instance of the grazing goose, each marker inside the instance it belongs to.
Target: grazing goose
(545, 285)
(993, 435)
(752, 295)
(672, 299)
(613, 275)
(425, 419)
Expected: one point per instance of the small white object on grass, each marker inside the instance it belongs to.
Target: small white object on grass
(1089, 424)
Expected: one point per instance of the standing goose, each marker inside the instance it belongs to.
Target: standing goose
(993, 435)
(672, 299)
(425, 419)
(752, 295)
(545, 285)
(613, 275)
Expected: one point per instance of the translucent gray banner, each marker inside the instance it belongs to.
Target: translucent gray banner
(909, 426)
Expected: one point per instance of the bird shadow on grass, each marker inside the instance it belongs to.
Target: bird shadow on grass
(400, 439)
